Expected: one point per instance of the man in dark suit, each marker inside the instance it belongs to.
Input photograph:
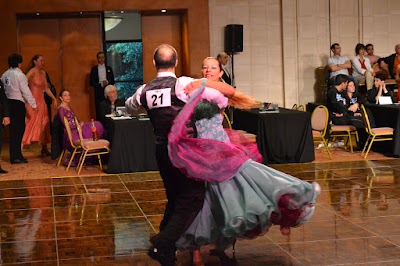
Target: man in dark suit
(110, 102)
(390, 60)
(223, 59)
(100, 76)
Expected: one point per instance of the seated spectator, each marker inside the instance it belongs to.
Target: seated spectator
(339, 65)
(393, 61)
(382, 68)
(353, 97)
(362, 69)
(64, 110)
(109, 104)
(342, 111)
(379, 89)
(373, 59)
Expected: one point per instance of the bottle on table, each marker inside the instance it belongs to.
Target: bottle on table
(95, 135)
(112, 109)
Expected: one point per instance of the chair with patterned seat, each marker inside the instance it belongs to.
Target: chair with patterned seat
(75, 145)
(319, 124)
(91, 147)
(374, 134)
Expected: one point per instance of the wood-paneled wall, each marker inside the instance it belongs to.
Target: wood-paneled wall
(157, 30)
(197, 21)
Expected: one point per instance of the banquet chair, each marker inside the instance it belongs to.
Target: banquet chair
(294, 107)
(301, 108)
(345, 131)
(319, 125)
(374, 134)
(74, 144)
(91, 148)
(226, 123)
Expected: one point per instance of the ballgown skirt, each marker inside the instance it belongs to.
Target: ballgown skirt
(248, 204)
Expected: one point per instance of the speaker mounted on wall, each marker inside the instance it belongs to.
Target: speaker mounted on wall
(233, 38)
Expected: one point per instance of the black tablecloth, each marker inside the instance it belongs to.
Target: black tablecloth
(283, 137)
(132, 146)
(387, 116)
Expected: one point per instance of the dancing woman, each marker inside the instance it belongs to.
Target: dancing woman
(243, 197)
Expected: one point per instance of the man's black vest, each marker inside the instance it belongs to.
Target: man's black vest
(162, 118)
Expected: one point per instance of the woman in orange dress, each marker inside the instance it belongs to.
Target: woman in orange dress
(37, 121)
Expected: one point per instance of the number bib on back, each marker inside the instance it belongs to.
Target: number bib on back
(158, 98)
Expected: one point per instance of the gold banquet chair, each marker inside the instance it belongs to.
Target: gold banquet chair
(374, 134)
(319, 124)
(76, 145)
(345, 131)
(91, 147)
(226, 123)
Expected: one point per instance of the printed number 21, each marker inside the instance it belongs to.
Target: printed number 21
(154, 97)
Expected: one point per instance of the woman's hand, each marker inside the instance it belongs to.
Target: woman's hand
(353, 108)
(192, 86)
(55, 105)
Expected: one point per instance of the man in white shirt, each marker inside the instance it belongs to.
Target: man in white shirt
(339, 65)
(100, 76)
(163, 98)
(17, 92)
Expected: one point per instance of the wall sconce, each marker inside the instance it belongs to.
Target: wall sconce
(111, 22)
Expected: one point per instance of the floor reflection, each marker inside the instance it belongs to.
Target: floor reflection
(108, 220)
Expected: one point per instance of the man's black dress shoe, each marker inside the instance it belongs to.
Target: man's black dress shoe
(24, 160)
(163, 259)
(2, 171)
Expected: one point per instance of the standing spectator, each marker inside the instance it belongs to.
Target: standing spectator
(49, 100)
(4, 117)
(17, 92)
(373, 59)
(100, 76)
(37, 121)
(362, 69)
(339, 65)
(223, 59)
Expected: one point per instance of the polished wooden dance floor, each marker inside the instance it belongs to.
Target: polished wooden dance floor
(108, 219)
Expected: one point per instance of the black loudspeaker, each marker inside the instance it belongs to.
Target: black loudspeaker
(234, 38)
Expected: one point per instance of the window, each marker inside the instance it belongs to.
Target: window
(126, 60)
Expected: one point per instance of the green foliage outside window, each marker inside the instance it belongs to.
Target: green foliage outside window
(126, 59)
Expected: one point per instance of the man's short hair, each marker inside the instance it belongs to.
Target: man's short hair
(333, 45)
(14, 60)
(380, 76)
(340, 79)
(99, 53)
(165, 57)
(221, 54)
(368, 45)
